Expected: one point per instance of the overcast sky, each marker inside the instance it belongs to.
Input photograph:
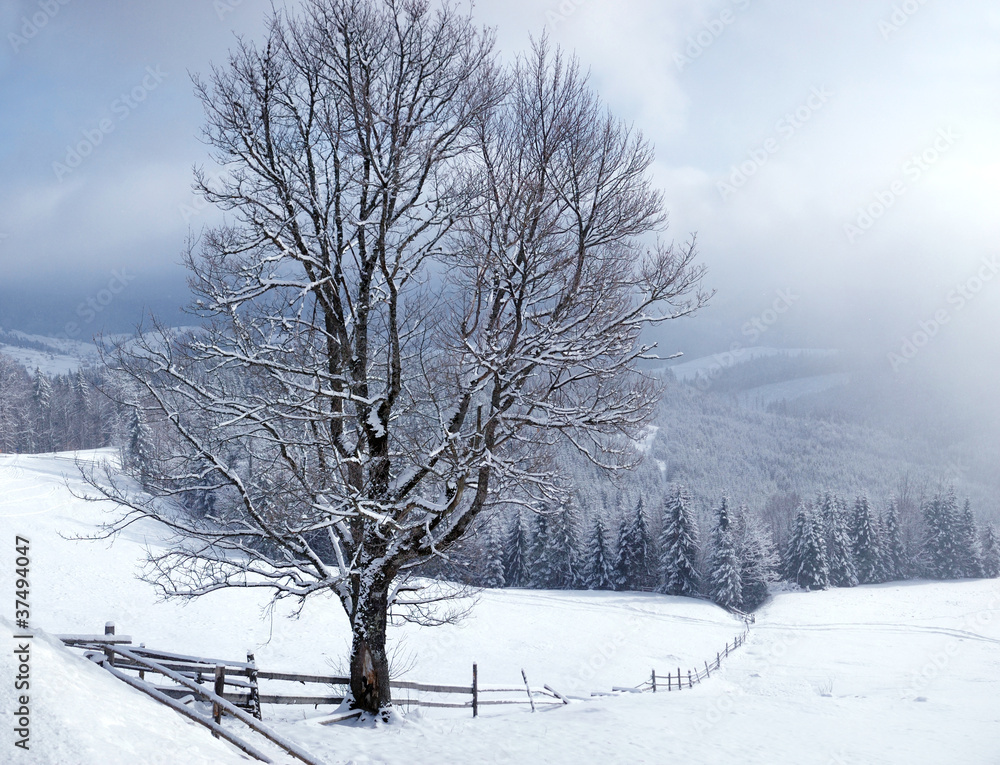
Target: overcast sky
(840, 157)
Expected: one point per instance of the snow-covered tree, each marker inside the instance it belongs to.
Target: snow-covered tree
(895, 556)
(678, 546)
(865, 543)
(493, 554)
(41, 395)
(969, 545)
(941, 549)
(433, 269)
(839, 552)
(599, 559)
(634, 566)
(991, 553)
(759, 561)
(555, 561)
(725, 584)
(805, 558)
(517, 551)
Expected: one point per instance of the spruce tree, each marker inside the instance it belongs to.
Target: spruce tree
(725, 585)
(555, 566)
(599, 559)
(942, 554)
(41, 397)
(895, 551)
(493, 554)
(805, 556)
(968, 544)
(865, 543)
(678, 546)
(839, 553)
(991, 553)
(633, 568)
(516, 551)
(757, 556)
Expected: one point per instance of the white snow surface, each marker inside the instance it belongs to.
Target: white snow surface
(900, 673)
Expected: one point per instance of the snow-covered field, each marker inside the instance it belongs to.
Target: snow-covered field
(903, 673)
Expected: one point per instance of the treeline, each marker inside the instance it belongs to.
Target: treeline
(42, 413)
(833, 543)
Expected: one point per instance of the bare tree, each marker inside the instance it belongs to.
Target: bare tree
(435, 267)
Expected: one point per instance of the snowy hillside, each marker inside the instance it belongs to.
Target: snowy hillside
(877, 674)
(53, 355)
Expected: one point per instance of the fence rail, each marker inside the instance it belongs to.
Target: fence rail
(238, 683)
(233, 688)
(675, 681)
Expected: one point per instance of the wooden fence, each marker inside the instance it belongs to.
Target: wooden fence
(233, 688)
(676, 682)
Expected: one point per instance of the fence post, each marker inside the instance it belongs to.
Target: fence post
(142, 672)
(475, 690)
(652, 677)
(689, 679)
(109, 628)
(718, 660)
(679, 686)
(254, 689)
(220, 688)
(707, 673)
(530, 697)
(670, 681)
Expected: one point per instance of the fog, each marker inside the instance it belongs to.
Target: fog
(838, 161)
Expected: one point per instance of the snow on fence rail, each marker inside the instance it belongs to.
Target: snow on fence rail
(239, 682)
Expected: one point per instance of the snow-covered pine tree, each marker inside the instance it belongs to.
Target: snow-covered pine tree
(942, 555)
(865, 543)
(516, 571)
(555, 564)
(991, 553)
(41, 397)
(759, 561)
(633, 567)
(600, 560)
(894, 557)
(725, 585)
(805, 557)
(968, 543)
(839, 553)
(678, 546)
(492, 574)
(137, 451)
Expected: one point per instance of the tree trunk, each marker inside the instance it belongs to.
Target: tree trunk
(369, 662)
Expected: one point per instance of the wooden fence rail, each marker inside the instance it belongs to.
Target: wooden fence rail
(238, 683)
(676, 681)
